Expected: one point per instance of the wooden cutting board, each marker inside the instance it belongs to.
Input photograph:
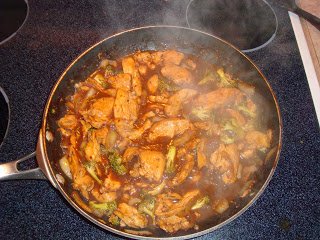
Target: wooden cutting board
(312, 34)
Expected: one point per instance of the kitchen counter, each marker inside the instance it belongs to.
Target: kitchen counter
(312, 33)
(56, 32)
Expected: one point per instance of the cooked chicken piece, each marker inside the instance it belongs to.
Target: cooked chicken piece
(181, 152)
(92, 148)
(236, 115)
(126, 129)
(179, 75)
(120, 81)
(101, 135)
(211, 127)
(183, 138)
(130, 188)
(143, 57)
(111, 184)
(94, 84)
(143, 69)
(220, 205)
(156, 107)
(201, 157)
(158, 99)
(123, 144)
(172, 57)
(125, 106)
(177, 100)
(174, 223)
(157, 57)
(191, 64)
(164, 202)
(128, 65)
(226, 161)
(129, 154)
(85, 127)
(150, 165)
(259, 140)
(153, 84)
(184, 172)
(147, 115)
(99, 112)
(247, 153)
(218, 98)
(81, 180)
(104, 196)
(84, 184)
(130, 216)
(248, 171)
(136, 84)
(168, 204)
(168, 128)
(67, 124)
(111, 92)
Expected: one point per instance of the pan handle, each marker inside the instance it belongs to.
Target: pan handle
(9, 171)
(315, 21)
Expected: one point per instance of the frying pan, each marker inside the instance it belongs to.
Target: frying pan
(203, 45)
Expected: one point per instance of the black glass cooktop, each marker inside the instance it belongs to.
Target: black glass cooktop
(56, 32)
(4, 115)
(247, 24)
(13, 14)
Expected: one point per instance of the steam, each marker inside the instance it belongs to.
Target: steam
(247, 24)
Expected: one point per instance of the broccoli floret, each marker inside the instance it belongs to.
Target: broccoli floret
(114, 220)
(157, 189)
(101, 80)
(91, 169)
(109, 71)
(200, 203)
(107, 208)
(227, 139)
(170, 167)
(231, 130)
(208, 77)
(147, 206)
(243, 108)
(116, 163)
(165, 85)
(202, 113)
(225, 79)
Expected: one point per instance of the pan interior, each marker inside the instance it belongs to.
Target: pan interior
(158, 38)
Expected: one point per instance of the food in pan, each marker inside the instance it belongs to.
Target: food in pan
(161, 140)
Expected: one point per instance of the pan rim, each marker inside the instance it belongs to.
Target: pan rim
(125, 234)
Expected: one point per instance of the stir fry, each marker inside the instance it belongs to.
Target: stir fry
(161, 140)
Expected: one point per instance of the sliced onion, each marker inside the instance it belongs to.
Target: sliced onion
(49, 136)
(222, 206)
(90, 93)
(60, 178)
(111, 138)
(134, 201)
(65, 167)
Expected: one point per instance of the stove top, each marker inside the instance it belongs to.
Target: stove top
(56, 32)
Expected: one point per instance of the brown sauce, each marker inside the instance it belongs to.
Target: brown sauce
(228, 152)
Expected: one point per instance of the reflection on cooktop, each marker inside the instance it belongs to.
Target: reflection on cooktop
(13, 14)
(4, 115)
(247, 24)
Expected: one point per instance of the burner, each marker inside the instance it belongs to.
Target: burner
(247, 24)
(13, 14)
(4, 115)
